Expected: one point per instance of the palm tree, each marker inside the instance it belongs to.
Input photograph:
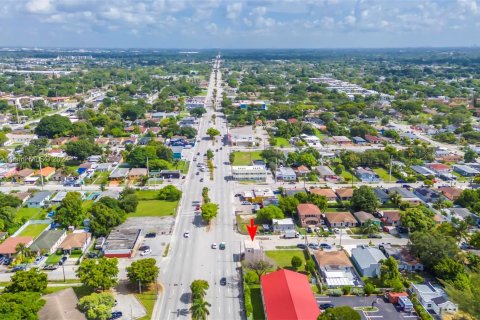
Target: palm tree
(369, 227)
(199, 288)
(23, 251)
(461, 230)
(199, 309)
(396, 198)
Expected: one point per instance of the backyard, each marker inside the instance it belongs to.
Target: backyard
(384, 175)
(283, 258)
(29, 213)
(246, 158)
(282, 142)
(33, 230)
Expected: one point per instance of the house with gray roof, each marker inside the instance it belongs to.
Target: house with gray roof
(39, 199)
(406, 195)
(433, 298)
(465, 170)
(48, 241)
(286, 174)
(367, 260)
(119, 174)
(382, 196)
(422, 171)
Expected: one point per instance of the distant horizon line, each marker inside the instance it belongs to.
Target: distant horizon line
(4, 48)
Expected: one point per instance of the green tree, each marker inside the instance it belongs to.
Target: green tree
(396, 198)
(340, 313)
(465, 290)
(21, 305)
(169, 193)
(296, 262)
(132, 111)
(128, 200)
(70, 212)
(266, 214)
(390, 275)
(289, 205)
(23, 251)
(259, 266)
(82, 149)
(212, 133)
(448, 269)
(369, 227)
(320, 201)
(104, 217)
(364, 199)
(210, 154)
(432, 246)
(100, 274)
(97, 306)
(144, 271)
(470, 155)
(32, 280)
(231, 157)
(199, 288)
(416, 219)
(51, 126)
(199, 309)
(209, 211)
(197, 112)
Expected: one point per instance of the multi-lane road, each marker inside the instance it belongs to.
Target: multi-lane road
(193, 258)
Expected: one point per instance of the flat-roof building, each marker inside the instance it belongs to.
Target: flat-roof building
(121, 243)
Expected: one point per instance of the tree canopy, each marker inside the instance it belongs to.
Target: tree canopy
(70, 212)
(32, 280)
(144, 271)
(364, 199)
(169, 193)
(266, 214)
(100, 274)
(52, 126)
(97, 306)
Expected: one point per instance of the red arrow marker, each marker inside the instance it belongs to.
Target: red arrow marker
(252, 229)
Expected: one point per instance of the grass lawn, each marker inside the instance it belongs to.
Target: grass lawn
(147, 299)
(319, 134)
(283, 258)
(53, 258)
(256, 297)
(242, 225)
(459, 176)
(182, 166)
(33, 230)
(414, 277)
(82, 291)
(154, 208)
(347, 176)
(246, 158)
(384, 175)
(282, 142)
(147, 194)
(29, 213)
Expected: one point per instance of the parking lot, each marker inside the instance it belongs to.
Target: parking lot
(386, 310)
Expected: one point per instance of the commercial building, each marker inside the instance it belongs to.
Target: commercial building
(287, 295)
(286, 174)
(253, 250)
(121, 243)
(249, 173)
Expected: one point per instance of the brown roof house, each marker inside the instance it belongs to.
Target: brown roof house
(391, 217)
(137, 173)
(8, 247)
(336, 269)
(46, 172)
(327, 193)
(302, 171)
(362, 217)
(340, 219)
(344, 193)
(450, 193)
(75, 241)
(309, 215)
(21, 175)
(23, 196)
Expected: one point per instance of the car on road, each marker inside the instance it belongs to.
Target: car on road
(20, 267)
(221, 148)
(223, 281)
(116, 315)
(194, 158)
(38, 259)
(50, 267)
(313, 246)
(197, 207)
(214, 245)
(146, 252)
(374, 236)
(151, 235)
(186, 234)
(325, 246)
(222, 246)
(198, 153)
(201, 179)
(325, 306)
(197, 173)
(301, 246)
(246, 202)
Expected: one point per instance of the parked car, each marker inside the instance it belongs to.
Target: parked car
(325, 306)
(50, 267)
(214, 245)
(313, 246)
(143, 248)
(186, 234)
(374, 236)
(246, 202)
(19, 267)
(146, 252)
(38, 259)
(201, 179)
(151, 235)
(301, 246)
(62, 261)
(222, 246)
(223, 281)
(325, 246)
(115, 315)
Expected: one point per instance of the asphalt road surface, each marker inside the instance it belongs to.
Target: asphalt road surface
(192, 258)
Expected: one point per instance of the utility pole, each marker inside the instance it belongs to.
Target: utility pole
(139, 286)
(41, 172)
(391, 156)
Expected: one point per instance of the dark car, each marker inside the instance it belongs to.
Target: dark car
(115, 315)
(325, 246)
(143, 248)
(198, 153)
(62, 261)
(401, 181)
(151, 235)
(374, 236)
(325, 306)
(301, 246)
(223, 281)
(92, 255)
(313, 246)
(406, 186)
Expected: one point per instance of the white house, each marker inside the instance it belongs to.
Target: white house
(433, 298)
(281, 225)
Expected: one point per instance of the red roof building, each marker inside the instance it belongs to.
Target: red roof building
(287, 296)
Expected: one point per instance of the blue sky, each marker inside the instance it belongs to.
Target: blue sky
(239, 23)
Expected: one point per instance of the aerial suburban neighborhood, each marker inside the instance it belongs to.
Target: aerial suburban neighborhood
(239, 184)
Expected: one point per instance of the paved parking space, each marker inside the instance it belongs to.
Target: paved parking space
(387, 311)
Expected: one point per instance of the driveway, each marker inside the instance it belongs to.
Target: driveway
(127, 303)
(386, 310)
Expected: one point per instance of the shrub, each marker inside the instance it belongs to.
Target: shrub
(357, 291)
(334, 292)
(369, 288)
(346, 290)
(251, 277)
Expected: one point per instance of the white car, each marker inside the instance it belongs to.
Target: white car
(186, 234)
(146, 252)
(246, 202)
(214, 245)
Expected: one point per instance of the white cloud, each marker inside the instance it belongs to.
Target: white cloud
(212, 28)
(39, 6)
(234, 10)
